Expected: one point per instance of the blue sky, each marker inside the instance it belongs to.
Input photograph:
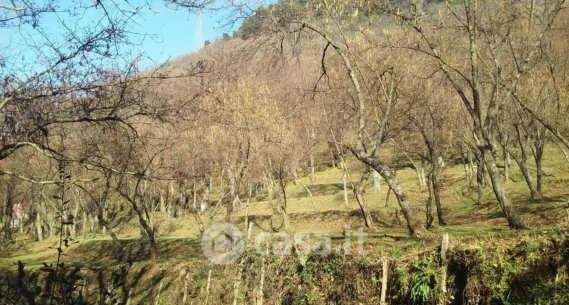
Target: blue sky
(172, 33)
(160, 31)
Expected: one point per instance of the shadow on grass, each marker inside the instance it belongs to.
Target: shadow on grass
(326, 189)
(104, 253)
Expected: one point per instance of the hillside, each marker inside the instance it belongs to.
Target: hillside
(327, 152)
(471, 227)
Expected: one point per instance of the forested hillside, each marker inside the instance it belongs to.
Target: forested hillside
(435, 130)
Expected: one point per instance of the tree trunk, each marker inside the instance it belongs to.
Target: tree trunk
(162, 204)
(415, 228)
(435, 184)
(539, 148)
(506, 156)
(437, 198)
(172, 200)
(39, 230)
(539, 177)
(194, 198)
(387, 197)
(358, 193)
(73, 225)
(92, 222)
(283, 207)
(422, 178)
(429, 208)
(522, 165)
(467, 163)
(230, 204)
(312, 170)
(471, 168)
(419, 171)
(102, 218)
(363, 208)
(521, 160)
(563, 151)
(8, 211)
(480, 178)
(269, 185)
(376, 181)
(513, 221)
(345, 183)
(84, 220)
(144, 221)
(153, 246)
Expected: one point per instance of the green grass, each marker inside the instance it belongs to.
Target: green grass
(325, 212)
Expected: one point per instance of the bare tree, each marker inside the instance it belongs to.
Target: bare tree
(487, 81)
(432, 117)
(383, 98)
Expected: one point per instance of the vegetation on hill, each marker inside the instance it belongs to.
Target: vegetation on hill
(415, 121)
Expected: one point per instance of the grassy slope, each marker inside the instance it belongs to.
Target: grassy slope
(326, 212)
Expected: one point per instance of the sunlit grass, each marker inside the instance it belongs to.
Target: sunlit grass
(326, 212)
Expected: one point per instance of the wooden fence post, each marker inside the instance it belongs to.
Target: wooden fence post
(207, 287)
(384, 278)
(259, 295)
(444, 250)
